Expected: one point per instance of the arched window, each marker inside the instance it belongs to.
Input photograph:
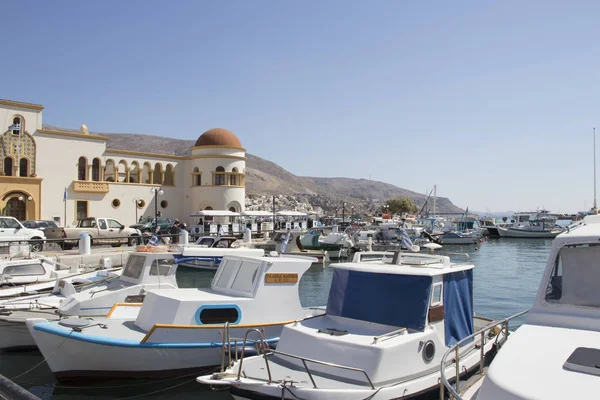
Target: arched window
(24, 167)
(8, 166)
(220, 176)
(109, 171)
(196, 177)
(16, 125)
(81, 169)
(157, 179)
(233, 178)
(134, 172)
(169, 178)
(96, 169)
(208, 208)
(146, 172)
(122, 171)
(232, 209)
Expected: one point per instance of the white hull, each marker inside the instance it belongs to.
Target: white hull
(464, 240)
(525, 233)
(87, 354)
(331, 389)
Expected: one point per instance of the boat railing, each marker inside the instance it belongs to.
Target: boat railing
(304, 360)
(455, 391)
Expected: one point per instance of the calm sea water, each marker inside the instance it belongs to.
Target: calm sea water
(507, 275)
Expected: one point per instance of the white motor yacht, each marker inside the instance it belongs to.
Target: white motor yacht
(555, 354)
(177, 331)
(386, 327)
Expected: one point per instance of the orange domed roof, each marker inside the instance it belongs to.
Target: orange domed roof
(218, 137)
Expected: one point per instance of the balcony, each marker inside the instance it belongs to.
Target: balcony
(90, 187)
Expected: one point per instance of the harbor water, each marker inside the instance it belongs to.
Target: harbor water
(506, 279)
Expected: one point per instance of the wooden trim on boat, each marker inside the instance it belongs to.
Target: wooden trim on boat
(114, 307)
(239, 326)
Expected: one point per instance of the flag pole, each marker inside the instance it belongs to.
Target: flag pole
(595, 205)
(65, 201)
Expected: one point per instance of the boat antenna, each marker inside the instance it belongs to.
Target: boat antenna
(595, 209)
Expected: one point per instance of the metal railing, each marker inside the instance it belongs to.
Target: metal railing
(266, 353)
(444, 382)
(389, 334)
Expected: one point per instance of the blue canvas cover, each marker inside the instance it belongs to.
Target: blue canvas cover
(391, 299)
(458, 306)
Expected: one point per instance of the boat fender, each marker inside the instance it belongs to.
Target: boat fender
(236, 351)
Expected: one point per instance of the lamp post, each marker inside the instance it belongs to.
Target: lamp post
(136, 203)
(157, 191)
(343, 213)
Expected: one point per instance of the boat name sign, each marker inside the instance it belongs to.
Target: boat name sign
(283, 277)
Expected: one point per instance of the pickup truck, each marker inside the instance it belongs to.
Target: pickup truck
(11, 230)
(102, 231)
(53, 233)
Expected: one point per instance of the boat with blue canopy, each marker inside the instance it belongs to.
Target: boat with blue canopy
(386, 327)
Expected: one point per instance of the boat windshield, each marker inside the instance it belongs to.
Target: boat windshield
(575, 278)
(390, 299)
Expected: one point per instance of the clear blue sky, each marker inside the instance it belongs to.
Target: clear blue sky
(493, 101)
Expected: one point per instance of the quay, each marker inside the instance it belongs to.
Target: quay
(98, 256)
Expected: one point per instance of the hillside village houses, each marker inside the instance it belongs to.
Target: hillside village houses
(41, 167)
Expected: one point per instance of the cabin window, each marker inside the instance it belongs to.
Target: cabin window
(217, 315)
(227, 272)
(134, 267)
(573, 279)
(24, 269)
(161, 267)
(246, 277)
(436, 295)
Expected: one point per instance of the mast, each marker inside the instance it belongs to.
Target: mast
(434, 198)
(595, 209)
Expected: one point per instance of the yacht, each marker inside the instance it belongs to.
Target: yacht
(538, 225)
(212, 250)
(386, 326)
(177, 331)
(555, 354)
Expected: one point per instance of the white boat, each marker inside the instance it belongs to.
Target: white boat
(31, 275)
(458, 238)
(336, 244)
(14, 334)
(555, 354)
(89, 295)
(386, 327)
(177, 331)
(535, 225)
(208, 251)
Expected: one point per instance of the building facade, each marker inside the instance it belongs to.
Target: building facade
(65, 175)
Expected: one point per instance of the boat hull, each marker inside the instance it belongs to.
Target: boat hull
(80, 355)
(531, 234)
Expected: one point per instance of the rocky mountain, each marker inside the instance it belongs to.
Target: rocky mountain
(264, 177)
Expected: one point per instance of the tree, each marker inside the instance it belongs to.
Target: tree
(402, 205)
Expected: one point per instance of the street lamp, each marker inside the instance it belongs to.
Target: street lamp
(157, 191)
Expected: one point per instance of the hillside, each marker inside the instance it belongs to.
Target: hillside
(264, 177)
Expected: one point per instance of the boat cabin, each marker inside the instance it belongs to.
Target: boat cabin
(570, 283)
(28, 270)
(243, 289)
(143, 271)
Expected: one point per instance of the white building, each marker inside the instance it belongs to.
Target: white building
(40, 165)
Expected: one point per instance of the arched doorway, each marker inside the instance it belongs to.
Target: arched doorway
(16, 208)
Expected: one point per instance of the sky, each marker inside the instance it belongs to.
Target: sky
(492, 101)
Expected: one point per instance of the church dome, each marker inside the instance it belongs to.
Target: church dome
(218, 137)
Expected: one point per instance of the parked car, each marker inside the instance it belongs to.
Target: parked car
(52, 232)
(104, 230)
(147, 225)
(11, 230)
